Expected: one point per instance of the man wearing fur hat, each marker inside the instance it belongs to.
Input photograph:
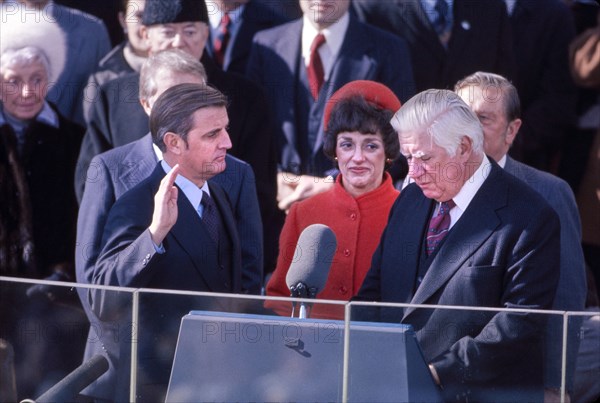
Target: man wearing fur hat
(38, 210)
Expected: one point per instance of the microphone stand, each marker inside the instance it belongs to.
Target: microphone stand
(301, 290)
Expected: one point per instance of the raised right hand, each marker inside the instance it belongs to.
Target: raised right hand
(165, 207)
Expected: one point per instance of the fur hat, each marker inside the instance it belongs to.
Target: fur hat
(21, 27)
(373, 92)
(169, 11)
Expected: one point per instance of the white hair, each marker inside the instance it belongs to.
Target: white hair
(444, 116)
(22, 27)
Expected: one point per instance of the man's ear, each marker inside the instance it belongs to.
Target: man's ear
(466, 146)
(512, 130)
(146, 105)
(174, 143)
(121, 17)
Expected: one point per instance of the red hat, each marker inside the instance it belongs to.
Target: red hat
(373, 92)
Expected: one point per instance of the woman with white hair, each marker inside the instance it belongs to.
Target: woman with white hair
(38, 152)
(38, 209)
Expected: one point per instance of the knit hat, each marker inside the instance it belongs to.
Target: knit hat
(21, 27)
(170, 11)
(373, 92)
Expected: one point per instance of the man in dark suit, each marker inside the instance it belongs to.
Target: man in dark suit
(117, 117)
(173, 230)
(466, 233)
(542, 31)
(496, 103)
(233, 24)
(447, 39)
(114, 172)
(282, 61)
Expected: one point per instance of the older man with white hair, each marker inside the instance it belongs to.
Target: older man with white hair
(468, 234)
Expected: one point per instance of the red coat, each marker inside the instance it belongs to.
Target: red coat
(358, 225)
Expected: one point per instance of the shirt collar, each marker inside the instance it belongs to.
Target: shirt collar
(189, 189)
(47, 116)
(214, 18)
(472, 185)
(510, 6)
(502, 161)
(334, 35)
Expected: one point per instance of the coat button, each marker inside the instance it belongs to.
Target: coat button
(346, 252)
(221, 267)
(343, 290)
(353, 216)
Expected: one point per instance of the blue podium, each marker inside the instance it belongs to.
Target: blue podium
(252, 358)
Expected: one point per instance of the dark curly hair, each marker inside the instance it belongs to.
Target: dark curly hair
(355, 114)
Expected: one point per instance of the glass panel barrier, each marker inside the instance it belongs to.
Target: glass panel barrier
(44, 332)
(182, 346)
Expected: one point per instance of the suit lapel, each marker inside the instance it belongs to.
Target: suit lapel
(228, 220)
(473, 229)
(411, 13)
(461, 38)
(409, 248)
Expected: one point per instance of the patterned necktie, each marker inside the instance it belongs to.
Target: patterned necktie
(316, 74)
(440, 21)
(439, 226)
(210, 217)
(222, 39)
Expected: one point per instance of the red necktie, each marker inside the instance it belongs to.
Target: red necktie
(439, 226)
(221, 39)
(315, 72)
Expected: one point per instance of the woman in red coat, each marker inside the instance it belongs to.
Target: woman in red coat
(361, 140)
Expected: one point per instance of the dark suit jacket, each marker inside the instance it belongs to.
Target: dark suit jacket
(572, 288)
(117, 118)
(542, 31)
(480, 38)
(502, 253)
(114, 172)
(128, 258)
(256, 16)
(367, 53)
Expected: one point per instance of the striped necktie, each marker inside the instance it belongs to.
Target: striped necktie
(439, 226)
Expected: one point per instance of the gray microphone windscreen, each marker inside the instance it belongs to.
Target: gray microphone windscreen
(313, 257)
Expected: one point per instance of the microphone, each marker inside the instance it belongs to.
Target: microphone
(309, 269)
(69, 387)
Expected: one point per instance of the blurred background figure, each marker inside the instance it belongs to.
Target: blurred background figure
(448, 39)
(87, 43)
(301, 64)
(585, 68)
(233, 24)
(127, 57)
(38, 210)
(495, 101)
(542, 31)
(362, 142)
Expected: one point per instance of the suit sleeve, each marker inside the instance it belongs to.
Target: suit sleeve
(96, 140)
(529, 281)
(571, 290)
(247, 215)
(98, 197)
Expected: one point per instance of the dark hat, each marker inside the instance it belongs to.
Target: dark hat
(373, 92)
(169, 11)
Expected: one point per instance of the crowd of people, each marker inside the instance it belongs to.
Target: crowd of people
(452, 146)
